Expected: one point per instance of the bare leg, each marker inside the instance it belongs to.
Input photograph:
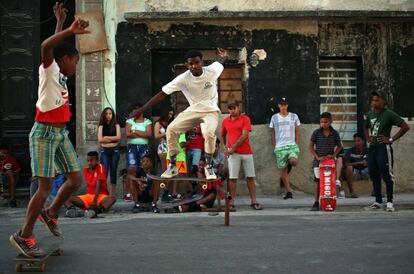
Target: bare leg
(251, 186)
(76, 201)
(108, 202)
(112, 190)
(349, 178)
(35, 205)
(155, 191)
(232, 185)
(316, 194)
(285, 178)
(12, 181)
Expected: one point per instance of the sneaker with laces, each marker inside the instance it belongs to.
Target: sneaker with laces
(375, 205)
(51, 223)
(288, 195)
(27, 246)
(341, 194)
(74, 212)
(136, 209)
(209, 172)
(128, 197)
(155, 208)
(338, 183)
(353, 195)
(390, 207)
(171, 172)
(90, 213)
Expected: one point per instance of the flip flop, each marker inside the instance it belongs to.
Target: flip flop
(256, 206)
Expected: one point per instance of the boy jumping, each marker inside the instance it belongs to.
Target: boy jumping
(199, 86)
(50, 147)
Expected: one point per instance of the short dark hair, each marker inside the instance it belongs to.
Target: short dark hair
(359, 135)
(64, 48)
(326, 115)
(148, 157)
(193, 53)
(93, 154)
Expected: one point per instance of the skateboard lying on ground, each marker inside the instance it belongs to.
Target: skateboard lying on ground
(51, 245)
(180, 202)
(327, 185)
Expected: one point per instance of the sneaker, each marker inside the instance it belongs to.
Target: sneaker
(155, 208)
(74, 212)
(128, 197)
(174, 198)
(341, 194)
(375, 205)
(171, 171)
(51, 223)
(288, 195)
(164, 197)
(209, 172)
(90, 213)
(13, 203)
(315, 207)
(27, 246)
(390, 207)
(338, 183)
(136, 209)
(172, 210)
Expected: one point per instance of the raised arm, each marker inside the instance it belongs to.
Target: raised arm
(60, 14)
(155, 100)
(78, 27)
(223, 55)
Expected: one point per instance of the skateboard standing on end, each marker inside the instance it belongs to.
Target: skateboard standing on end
(327, 185)
(52, 247)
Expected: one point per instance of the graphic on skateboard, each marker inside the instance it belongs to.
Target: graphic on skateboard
(327, 185)
(51, 245)
(180, 202)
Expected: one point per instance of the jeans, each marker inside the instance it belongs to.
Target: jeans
(194, 156)
(135, 154)
(380, 163)
(110, 159)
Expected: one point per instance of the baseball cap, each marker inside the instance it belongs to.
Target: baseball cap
(232, 104)
(282, 101)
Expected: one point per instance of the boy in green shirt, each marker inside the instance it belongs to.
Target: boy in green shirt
(378, 125)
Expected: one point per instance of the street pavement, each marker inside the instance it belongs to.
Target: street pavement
(285, 237)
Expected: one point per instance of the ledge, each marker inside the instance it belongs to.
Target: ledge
(135, 17)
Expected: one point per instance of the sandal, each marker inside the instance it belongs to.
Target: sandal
(232, 208)
(256, 206)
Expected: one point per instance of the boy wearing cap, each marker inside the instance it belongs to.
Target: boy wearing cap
(285, 140)
(378, 125)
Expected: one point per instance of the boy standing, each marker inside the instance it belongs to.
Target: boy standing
(199, 86)
(285, 140)
(325, 144)
(50, 147)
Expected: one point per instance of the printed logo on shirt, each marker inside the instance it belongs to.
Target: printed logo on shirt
(7, 166)
(207, 85)
(376, 127)
(62, 80)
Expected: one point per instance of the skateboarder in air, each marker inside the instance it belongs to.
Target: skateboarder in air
(199, 86)
(50, 147)
(325, 144)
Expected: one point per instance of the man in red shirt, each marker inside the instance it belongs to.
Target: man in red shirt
(236, 128)
(97, 199)
(9, 170)
(195, 148)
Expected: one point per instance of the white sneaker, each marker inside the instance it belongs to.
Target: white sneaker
(171, 171)
(341, 194)
(338, 183)
(209, 172)
(390, 207)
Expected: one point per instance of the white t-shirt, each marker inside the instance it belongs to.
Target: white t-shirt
(284, 128)
(200, 92)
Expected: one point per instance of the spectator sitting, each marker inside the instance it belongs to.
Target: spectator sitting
(195, 148)
(9, 170)
(356, 163)
(218, 162)
(144, 190)
(181, 163)
(325, 144)
(97, 199)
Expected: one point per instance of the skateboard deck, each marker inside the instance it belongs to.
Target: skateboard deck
(327, 185)
(50, 244)
(202, 181)
(181, 202)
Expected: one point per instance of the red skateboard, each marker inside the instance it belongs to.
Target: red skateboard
(327, 185)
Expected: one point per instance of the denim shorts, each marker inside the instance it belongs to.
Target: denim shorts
(135, 154)
(194, 156)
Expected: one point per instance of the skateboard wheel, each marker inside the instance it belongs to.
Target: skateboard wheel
(204, 186)
(18, 267)
(162, 185)
(42, 267)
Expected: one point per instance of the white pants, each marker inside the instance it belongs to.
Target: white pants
(236, 160)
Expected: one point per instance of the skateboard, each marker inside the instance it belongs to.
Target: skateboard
(51, 245)
(327, 185)
(202, 181)
(181, 202)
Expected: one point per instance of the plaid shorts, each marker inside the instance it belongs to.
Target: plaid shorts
(284, 153)
(51, 151)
